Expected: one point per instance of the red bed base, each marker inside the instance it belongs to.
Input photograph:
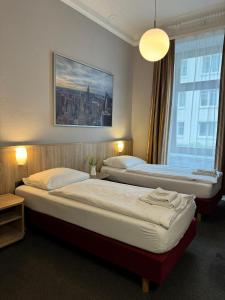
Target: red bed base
(208, 206)
(153, 267)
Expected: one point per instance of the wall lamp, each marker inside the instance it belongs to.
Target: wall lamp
(120, 146)
(21, 156)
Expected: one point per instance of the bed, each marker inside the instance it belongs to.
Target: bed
(136, 172)
(151, 251)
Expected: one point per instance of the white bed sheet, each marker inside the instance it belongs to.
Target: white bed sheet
(200, 189)
(144, 235)
(173, 172)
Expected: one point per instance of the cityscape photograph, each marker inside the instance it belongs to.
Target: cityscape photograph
(83, 94)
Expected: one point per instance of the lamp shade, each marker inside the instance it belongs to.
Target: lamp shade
(120, 146)
(21, 156)
(154, 44)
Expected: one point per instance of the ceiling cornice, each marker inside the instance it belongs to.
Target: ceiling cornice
(100, 21)
(184, 25)
(198, 23)
(191, 24)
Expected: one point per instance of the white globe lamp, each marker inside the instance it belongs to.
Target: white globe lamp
(154, 43)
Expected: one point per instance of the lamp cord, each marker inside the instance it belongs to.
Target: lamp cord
(155, 16)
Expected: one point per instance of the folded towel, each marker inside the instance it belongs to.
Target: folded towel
(205, 172)
(160, 194)
(179, 202)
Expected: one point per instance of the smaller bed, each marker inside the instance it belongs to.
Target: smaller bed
(109, 220)
(135, 171)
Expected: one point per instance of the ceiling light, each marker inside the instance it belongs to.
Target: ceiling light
(154, 43)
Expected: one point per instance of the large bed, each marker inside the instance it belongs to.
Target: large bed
(149, 249)
(145, 235)
(206, 188)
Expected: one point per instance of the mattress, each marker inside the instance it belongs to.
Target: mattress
(141, 234)
(200, 189)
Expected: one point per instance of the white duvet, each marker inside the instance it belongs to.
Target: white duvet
(172, 172)
(119, 198)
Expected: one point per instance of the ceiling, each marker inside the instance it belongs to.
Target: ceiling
(128, 19)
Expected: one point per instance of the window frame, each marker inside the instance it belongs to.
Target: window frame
(209, 66)
(179, 123)
(207, 123)
(179, 106)
(209, 96)
(184, 62)
(179, 87)
(207, 100)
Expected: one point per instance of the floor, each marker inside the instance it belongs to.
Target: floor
(40, 267)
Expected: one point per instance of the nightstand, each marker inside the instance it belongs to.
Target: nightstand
(11, 219)
(100, 176)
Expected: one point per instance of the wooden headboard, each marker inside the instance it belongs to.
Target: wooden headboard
(46, 156)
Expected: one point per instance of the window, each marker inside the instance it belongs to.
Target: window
(182, 100)
(206, 61)
(180, 128)
(213, 100)
(202, 129)
(194, 112)
(184, 68)
(215, 63)
(209, 98)
(204, 98)
(211, 129)
(206, 129)
(211, 63)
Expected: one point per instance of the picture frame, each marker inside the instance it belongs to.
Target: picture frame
(83, 94)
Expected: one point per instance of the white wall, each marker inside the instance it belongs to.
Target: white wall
(30, 30)
(141, 98)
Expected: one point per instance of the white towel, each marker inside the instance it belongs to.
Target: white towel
(173, 199)
(160, 194)
(205, 172)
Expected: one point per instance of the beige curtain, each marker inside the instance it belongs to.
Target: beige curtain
(220, 157)
(160, 107)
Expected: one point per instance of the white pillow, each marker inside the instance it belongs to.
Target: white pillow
(123, 161)
(55, 178)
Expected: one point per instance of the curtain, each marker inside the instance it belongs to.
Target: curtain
(220, 158)
(194, 112)
(159, 107)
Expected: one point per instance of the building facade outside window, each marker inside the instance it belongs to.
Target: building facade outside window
(194, 112)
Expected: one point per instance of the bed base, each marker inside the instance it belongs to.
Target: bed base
(207, 206)
(149, 266)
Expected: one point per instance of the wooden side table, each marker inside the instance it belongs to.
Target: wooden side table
(11, 219)
(100, 176)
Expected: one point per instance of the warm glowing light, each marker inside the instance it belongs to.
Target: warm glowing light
(120, 146)
(154, 44)
(21, 156)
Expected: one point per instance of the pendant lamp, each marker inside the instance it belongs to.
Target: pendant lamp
(154, 43)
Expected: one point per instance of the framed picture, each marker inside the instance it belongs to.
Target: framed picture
(83, 94)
